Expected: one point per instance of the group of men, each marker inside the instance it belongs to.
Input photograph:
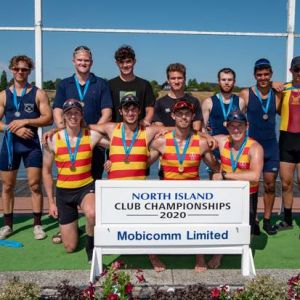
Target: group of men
(123, 116)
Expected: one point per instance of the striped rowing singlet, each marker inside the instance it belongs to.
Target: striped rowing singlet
(290, 109)
(81, 176)
(243, 163)
(169, 161)
(135, 167)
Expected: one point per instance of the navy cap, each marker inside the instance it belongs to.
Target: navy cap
(128, 100)
(72, 103)
(182, 104)
(236, 116)
(295, 62)
(262, 62)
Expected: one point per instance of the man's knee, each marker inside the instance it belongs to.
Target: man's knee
(8, 187)
(69, 247)
(90, 215)
(269, 187)
(35, 188)
(287, 186)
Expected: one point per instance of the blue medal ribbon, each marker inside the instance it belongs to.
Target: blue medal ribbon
(264, 108)
(127, 150)
(16, 102)
(73, 154)
(181, 156)
(234, 162)
(87, 83)
(8, 137)
(225, 113)
(291, 88)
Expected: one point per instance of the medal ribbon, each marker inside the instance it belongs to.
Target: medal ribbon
(291, 88)
(73, 154)
(225, 113)
(16, 102)
(234, 162)
(127, 150)
(264, 108)
(8, 137)
(81, 95)
(181, 156)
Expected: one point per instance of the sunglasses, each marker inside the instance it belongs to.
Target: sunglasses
(183, 104)
(23, 70)
(296, 69)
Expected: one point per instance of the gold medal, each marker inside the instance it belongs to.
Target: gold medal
(73, 168)
(180, 169)
(126, 160)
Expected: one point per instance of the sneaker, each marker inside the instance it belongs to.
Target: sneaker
(39, 233)
(283, 225)
(5, 231)
(269, 229)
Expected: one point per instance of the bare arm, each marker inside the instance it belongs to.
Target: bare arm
(58, 118)
(206, 109)
(208, 156)
(148, 117)
(98, 138)
(157, 148)
(242, 105)
(197, 125)
(106, 114)
(2, 109)
(278, 97)
(244, 94)
(105, 129)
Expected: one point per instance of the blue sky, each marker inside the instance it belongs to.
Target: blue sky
(202, 55)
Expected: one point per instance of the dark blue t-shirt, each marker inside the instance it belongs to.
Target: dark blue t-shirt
(97, 97)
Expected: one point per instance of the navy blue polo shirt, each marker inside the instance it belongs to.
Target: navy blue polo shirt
(98, 97)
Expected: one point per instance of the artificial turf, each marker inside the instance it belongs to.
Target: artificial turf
(270, 252)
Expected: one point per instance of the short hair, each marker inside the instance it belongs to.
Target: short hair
(226, 71)
(262, 64)
(176, 67)
(82, 48)
(16, 59)
(124, 52)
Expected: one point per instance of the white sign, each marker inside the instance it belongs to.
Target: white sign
(172, 217)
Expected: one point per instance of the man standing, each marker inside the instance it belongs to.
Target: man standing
(289, 141)
(25, 108)
(94, 94)
(181, 152)
(241, 159)
(216, 108)
(128, 83)
(176, 75)
(72, 148)
(262, 103)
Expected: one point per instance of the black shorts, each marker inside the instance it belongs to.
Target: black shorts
(289, 147)
(98, 159)
(68, 200)
(253, 210)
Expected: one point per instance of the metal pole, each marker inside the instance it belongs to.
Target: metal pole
(290, 36)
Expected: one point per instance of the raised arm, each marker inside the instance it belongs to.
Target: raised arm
(206, 109)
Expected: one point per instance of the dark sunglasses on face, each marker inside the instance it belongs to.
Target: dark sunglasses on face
(16, 69)
(296, 69)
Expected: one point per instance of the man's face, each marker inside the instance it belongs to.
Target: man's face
(226, 82)
(130, 113)
(126, 66)
(296, 74)
(263, 78)
(176, 81)
(237, 130)
(73, 118)
(82, 62)
(183, 118)
(21, 71)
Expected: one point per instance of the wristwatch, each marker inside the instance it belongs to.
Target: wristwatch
(223, 173)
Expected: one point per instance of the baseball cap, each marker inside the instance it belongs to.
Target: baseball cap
(181, 104)
(128, 100)
(236, 116)
(72, 103)
(295, 62)
(262, 62)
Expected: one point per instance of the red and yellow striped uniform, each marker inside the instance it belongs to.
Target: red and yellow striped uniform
(135, 168)
(81, 176)
(243, 163)
(290, 109)
(169, 161)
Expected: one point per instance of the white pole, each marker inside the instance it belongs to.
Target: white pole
(290, 36)
(38, 48)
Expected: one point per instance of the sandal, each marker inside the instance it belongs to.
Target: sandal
(283, 225)
(56, 238)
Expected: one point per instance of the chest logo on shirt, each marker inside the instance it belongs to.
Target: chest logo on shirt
(193, 156)
(28, 107)
(295, 98)
(168, 110)
(242, 165)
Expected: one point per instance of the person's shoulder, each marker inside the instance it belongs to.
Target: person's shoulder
(141, 80)
(162, 98)
(95, 78)
(67, 80)
(114, 80)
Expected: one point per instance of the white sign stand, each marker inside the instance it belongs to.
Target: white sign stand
(172, 217)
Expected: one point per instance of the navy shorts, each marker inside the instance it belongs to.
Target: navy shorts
(289, 145)
(68, 200)
(271, 155)
(32, 158)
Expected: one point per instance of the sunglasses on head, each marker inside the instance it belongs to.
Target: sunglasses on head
(82, 48)
(183, 104)
(16, 69)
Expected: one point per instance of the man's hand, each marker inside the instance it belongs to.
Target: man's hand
(211, 142)
(217, 176)
(17, 124)
(145, 123)
(53, 210)
(48, 135)
(278, 86)
(107, 166)
(24, 133)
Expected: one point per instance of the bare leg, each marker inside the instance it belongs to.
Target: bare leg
(69, 233)
(88, 207)
(269, 194)
(8, 184)
(34, 176)
(158, 266)
(286, 175)
(200, 265)
(215, 261)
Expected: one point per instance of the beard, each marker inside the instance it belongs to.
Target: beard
(227, 91)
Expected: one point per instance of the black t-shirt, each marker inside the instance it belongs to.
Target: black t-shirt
(139, 87)
(163, 108)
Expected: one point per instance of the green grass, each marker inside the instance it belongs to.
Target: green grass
(279, 251)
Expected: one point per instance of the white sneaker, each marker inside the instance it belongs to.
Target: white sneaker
(39, 233)
(5, 231)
